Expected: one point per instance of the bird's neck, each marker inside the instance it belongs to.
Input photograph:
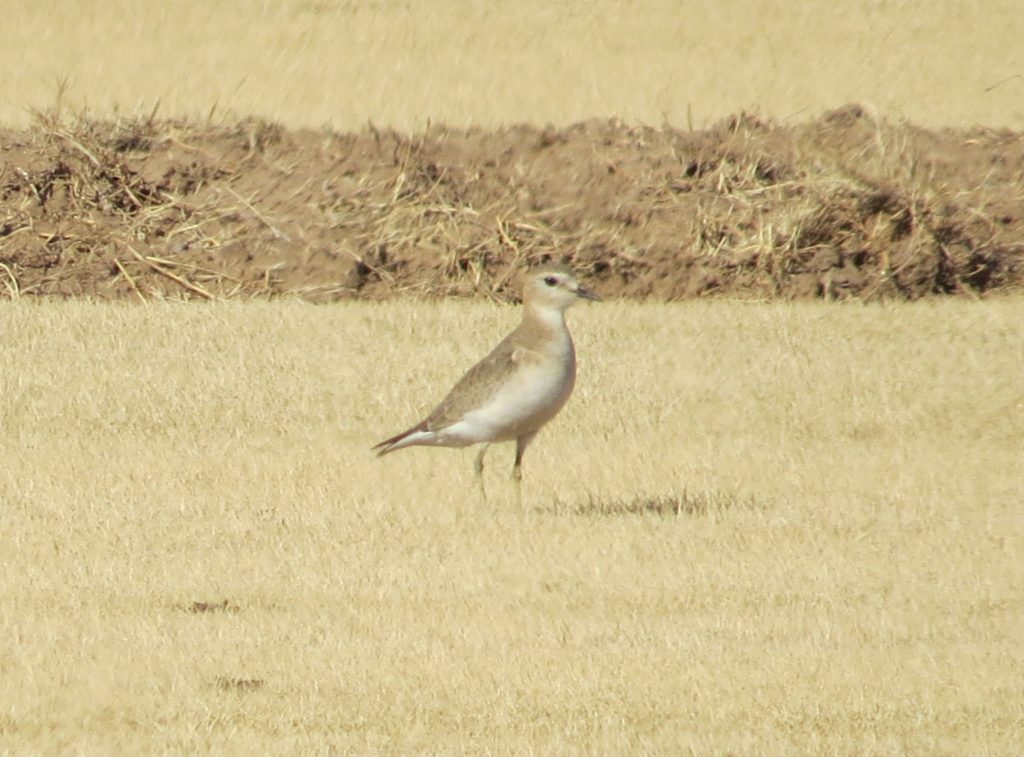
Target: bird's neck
(546, 326)
(550, 320)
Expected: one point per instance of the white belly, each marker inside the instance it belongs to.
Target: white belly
(529, 400)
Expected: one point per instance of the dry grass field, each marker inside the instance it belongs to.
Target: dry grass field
(343, 63)
(756, 528)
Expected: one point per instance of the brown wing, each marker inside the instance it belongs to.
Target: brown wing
(480, 383)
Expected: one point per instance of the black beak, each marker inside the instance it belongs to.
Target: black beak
(587, 294)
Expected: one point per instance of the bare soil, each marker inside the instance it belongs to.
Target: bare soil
(846, 206)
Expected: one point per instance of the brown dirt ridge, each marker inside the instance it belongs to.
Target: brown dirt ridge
(844, 206)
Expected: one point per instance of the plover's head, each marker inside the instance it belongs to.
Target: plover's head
(553, 287)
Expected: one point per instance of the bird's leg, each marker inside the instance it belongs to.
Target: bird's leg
(517, 485)
(517, 466)
(478, 469)
(478, 464)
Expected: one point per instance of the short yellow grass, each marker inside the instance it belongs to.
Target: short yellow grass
(343, 63)
(755, 529)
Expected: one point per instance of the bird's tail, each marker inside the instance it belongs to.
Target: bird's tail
(405, 439)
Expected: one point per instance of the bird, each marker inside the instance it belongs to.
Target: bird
(521, 385)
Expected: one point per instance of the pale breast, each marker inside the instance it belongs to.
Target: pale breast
(530, 397)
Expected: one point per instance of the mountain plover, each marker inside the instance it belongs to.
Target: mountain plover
(516, 389)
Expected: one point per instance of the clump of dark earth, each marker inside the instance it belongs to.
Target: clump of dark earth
(847, 206)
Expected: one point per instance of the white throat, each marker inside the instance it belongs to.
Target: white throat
(553, 318)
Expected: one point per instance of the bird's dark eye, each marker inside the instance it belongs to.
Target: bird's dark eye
(550, 280)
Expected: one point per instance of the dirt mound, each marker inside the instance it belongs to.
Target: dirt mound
(844, 206)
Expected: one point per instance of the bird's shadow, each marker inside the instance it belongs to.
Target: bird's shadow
(667, 504)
